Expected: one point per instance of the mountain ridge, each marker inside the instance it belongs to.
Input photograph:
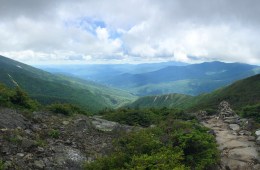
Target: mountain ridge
(48, 88)
(242, 92)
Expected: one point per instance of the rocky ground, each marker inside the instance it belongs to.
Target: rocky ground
(51, 141)
(43, 140)
(238, 142)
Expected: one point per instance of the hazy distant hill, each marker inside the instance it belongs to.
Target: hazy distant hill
(191, 79)
(240, 93)
(48, 88)
(103, 72)
(161, 78)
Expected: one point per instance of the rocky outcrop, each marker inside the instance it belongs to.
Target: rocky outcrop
(109, 126)
(52, 141)
(12, 119)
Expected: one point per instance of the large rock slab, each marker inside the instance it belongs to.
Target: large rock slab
(65, 156)
(12, 119)
(104, 125)
(108, 126)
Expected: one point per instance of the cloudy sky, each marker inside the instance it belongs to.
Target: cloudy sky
(130, 31)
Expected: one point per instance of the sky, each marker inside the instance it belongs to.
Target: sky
(130, 31)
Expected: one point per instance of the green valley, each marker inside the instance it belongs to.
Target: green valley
(48, 88)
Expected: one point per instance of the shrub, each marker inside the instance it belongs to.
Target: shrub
(5, 94)
(164, 159)
(199, 147)
(144, 117)
(66, 109)
(252, 111)
(172, 145)
(20, 98)
(131, 117)
(2, 165)
(54, 133)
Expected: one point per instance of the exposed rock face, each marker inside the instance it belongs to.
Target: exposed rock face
(12, 119)
(104, 125)
(108, 126)
(48, 141)
(225, 110)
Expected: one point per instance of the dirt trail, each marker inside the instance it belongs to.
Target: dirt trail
(238, 151)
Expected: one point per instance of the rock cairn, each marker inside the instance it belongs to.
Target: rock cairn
(225, 110)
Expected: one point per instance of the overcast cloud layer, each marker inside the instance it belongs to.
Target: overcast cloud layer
(130, 31)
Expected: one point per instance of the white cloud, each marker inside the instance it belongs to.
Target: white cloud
(102, 34)
(130, 31)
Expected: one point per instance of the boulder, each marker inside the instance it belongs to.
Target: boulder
(65, 122)
(65, 156)
(234, 127)
(39, 164)
(82, 125)
(104, 125)
(257, 133)
(244, 132)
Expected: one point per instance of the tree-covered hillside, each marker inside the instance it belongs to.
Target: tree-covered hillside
(48, 88)
(241, 93)
(170, 100)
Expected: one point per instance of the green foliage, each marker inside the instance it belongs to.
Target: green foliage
(2, 165)
(131, 116)
(14, 137)
(5, 95)
(22, 99)
(252, 111)
(144, 117)
(239, 94)
(54, 133)
(16, 98)
(66, 109)
(160, 101)
(163, 159)
(49, 88)
(200, 148)
(40, 141)
(174, 144)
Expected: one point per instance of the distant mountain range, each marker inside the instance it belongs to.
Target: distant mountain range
(241, 93)
(186, 80)
(48, 88)
(102, 72)
(162, 78)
